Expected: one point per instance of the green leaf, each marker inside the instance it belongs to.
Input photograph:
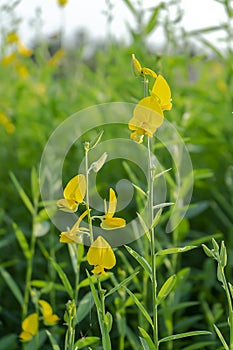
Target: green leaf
(63, 278)
(176, 250)
(22, 241)
(84, 306)
(53, 342)
(166, 288)
(223, 341)
(153, 18)
(94, 293)
(140, 190)
(207, 251)
(46, 285)
(12, 285)
(143, 225)
(22, 194)
(140, 306)
(35, 185)
(123, 283)
(108, 321)
(216, 246)
(147, 338)
(156, 219)
(223, 255)
(96, 140)
(9, 342)
(85, 341)
(183, 335)
(140, 259)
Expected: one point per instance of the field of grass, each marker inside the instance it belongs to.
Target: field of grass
(167, 246)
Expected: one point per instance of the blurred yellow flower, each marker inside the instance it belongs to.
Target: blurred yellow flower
(23, 50)
(9, 126)
(108, 221)
(148, 113)
(49, 317)
(101, 255)
(22, 71)
(141, 71)
(56, 58)
(62, 2)
(12, 38)
(75, 234)
(29, 327)
(74, 194)
(6, 60)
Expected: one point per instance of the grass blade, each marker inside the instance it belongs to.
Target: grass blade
(63, 278)
(12, 285)
(140, 259)
(22, 194)
(183, 335)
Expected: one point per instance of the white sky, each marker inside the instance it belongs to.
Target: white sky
(88, 14)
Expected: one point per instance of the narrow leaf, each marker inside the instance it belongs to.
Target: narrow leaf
(94, 293)
(63, 278)
(84, 306)
(123, 283)
(85, 341)
(221, 337)
(22, 194)
(156, 219)
(166, 288)
(22, 241)
(12, 285)
(53, 342)
(147, 338)
(175, 250)
(207, 251)
(140, 259)
(140, 306)
(183, 335)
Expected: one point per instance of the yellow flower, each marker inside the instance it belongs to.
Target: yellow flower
(141, 71)
(29, 327)
(148, 113)
(6, 60)
(62, 2)
(49, 317)
(147, 117)
(23, 50)
(75, 234)
(12, 38)
(101, 255)
(74, 194)
(56, 58)
(108, 221)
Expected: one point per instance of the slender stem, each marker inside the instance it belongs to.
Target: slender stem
(152, 244)
(106, 342)
(86, 146)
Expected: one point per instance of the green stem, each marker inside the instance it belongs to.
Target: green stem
(86, 147)
(152, 245)
(106, 342)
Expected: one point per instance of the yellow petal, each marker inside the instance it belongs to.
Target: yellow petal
(147, 116)
(25, 336)
(12, 38)
(99, 270)
(45, 307)
(67, 205)
(112, 223)
(148, 71)
(100, 253)
(76, 188)
(137, 69)
(23, 50)
(70, 237)
(51, 320)
(112, 203)
(162, 91)
(29, 327)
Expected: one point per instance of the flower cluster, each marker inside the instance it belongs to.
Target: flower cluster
(30, 324)
(100, 253)
(148, 114)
